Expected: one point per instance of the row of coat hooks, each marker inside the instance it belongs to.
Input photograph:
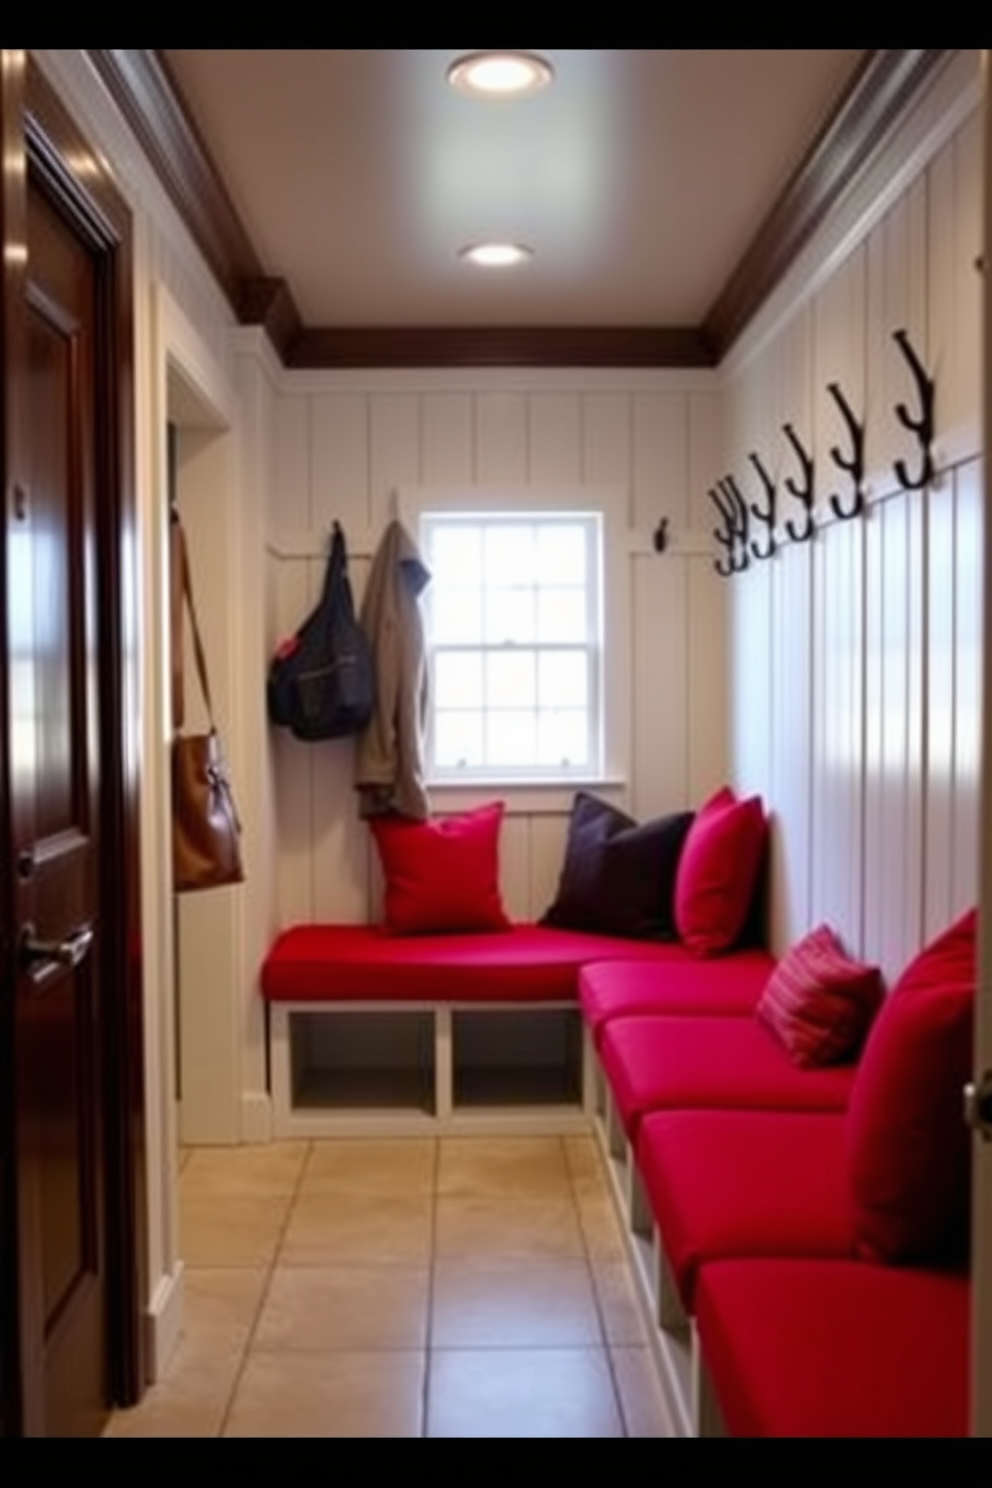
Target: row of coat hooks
(739, 516)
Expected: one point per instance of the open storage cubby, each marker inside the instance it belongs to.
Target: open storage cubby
(528, 1057)
(363, 1061)
(400, 1069)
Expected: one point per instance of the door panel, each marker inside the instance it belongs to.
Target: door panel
(55, 704)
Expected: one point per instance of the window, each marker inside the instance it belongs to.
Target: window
(513, 617)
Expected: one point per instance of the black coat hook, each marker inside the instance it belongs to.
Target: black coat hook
(803, 493)
(922, 426)
(659, 537)
(854, 464)
(767, 514)
(727, 538)
(739, 520)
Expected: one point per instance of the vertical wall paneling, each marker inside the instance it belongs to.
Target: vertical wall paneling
(339, 464)
(447, 439)
(660, 686)
(394, 456)
(661, 460)
(940, 717)
(705, 435)
(547, 854)
(501, 439)
(360, 443)
(514, 865)
(789, 793)
(968, 197)
(706, 679)
(837, 730)
(968, 623)
(751, 677)
(839, 357)
(288, 496)
(606, 439)
(896, 267)
(291, 763)
(954, 291)
(555, 440)
(893, 782)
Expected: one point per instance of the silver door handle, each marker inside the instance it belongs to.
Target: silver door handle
(42, 957)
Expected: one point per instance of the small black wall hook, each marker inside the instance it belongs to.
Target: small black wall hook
(922, 426)
(854, 464)
(803, 493)
(659, 537)
(767, 514)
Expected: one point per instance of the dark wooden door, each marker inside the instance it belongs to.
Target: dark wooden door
(52, 582)
(72, 1261)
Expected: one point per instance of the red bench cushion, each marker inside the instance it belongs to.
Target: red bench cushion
(744, 1183)
(806, 1348)
(661, 1063)
(730, 985)
(359, 963)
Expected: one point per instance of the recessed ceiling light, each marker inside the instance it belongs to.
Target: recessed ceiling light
(499, 74)
(496, 255)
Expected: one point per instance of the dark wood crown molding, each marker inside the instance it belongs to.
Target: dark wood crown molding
(147, 95)
(144, 90)
(881, 89)
(499, 346)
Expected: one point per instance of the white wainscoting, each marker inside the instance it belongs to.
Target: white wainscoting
(345, 445)
(856, 657)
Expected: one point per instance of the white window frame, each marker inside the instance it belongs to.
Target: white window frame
(610, 505)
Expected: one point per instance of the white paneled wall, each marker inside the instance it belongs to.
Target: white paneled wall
(855, 658)
(344, 446)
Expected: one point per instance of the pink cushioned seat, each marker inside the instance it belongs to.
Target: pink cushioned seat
(728, 986)
(358, 963)
(661, 1063)
(744, 1183)
(804, 1348)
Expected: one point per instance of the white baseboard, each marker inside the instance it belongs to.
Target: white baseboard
(256, 1117)
(164, 1322)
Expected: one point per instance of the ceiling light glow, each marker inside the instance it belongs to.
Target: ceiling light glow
(496, 255)
(499, 74)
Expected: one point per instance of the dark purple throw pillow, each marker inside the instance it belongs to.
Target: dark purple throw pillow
(618, 876)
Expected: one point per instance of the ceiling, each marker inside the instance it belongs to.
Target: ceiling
(660, 190)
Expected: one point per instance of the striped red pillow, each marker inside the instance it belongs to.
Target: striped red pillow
(819, 1002)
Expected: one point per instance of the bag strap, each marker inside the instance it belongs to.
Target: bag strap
(180, 551)
(336, 569)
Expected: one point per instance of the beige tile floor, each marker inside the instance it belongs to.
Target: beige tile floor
(451, 1288)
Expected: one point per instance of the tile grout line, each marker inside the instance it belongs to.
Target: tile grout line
(263, 1297)
(597, 1301)
(425, 1393)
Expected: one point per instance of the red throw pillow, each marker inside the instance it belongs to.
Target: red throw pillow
(717, 872)
(442, 875)
(908, 1147)
(819, 1002)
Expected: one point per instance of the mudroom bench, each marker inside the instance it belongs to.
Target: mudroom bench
(372, 1033)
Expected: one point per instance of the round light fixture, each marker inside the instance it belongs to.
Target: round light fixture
(499, 74)
(496, 255)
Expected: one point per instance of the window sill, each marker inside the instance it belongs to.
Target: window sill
(522, 797)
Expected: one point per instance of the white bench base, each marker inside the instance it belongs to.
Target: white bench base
(688, 1399)
(412, 1069)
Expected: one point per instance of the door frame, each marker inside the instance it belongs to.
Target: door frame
(43, 145)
